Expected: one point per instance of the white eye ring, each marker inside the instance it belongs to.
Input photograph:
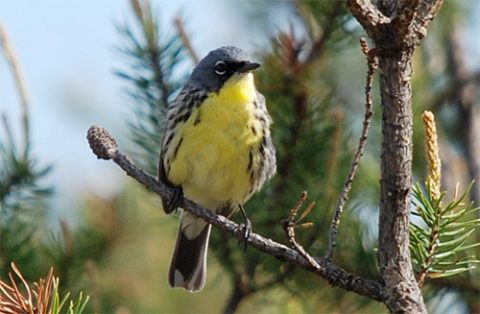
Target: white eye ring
(220, 68)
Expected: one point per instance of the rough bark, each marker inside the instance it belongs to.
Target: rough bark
(396, 27)
(403, 293)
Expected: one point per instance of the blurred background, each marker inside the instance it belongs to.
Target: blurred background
(85, 63)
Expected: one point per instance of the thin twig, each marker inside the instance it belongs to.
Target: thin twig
(372, 66)
(179, 25)
(104, 146)
(298, 205)
(20, 84)
(289, 226)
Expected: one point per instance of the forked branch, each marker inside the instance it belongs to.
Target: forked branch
(289, 225)
(104, 146)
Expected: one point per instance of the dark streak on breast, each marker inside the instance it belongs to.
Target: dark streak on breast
(169, 139)
(250, 160)
(197, 118)
(176, 149)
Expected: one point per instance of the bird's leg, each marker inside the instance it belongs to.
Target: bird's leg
(176, 197)
(247, 227)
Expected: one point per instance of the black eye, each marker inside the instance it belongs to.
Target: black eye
(220, 68)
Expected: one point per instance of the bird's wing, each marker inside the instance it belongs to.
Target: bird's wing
(178, 113)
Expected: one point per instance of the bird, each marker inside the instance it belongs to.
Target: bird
(216, 151)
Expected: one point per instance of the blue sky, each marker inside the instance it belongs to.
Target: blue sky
(67, 56)
(66, 52)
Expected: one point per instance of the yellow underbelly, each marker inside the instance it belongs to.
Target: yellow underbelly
(212, 161)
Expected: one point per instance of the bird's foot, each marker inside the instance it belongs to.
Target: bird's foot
(176, 197)
(246, 228)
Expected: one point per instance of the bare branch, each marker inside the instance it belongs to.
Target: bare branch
(367, 13)
(372, 62)
(402, 21)
(104, 146)
(289, 226)
(404, 28)
(413, 19)
(395, 41)
(425, 12)
(410, 10)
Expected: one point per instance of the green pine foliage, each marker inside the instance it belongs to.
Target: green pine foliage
(23, 202)
(154, 57)
(309, 133)
(441, 243)
(312, 77)
(313, 121)
(82, 256)
(24, 206)
(113, 252)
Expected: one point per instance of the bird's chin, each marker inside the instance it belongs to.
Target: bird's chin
(244, 77)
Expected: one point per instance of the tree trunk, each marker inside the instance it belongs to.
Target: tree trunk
(403, 293)
(239, 293)
(396, 27)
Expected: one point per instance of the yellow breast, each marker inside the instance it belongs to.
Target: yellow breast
(212, 161)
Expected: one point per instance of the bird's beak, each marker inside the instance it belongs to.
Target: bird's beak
(248, 66)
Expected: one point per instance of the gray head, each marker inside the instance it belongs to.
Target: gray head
(218, 66)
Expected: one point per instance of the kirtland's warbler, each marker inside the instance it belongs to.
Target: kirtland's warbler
(217, 150)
